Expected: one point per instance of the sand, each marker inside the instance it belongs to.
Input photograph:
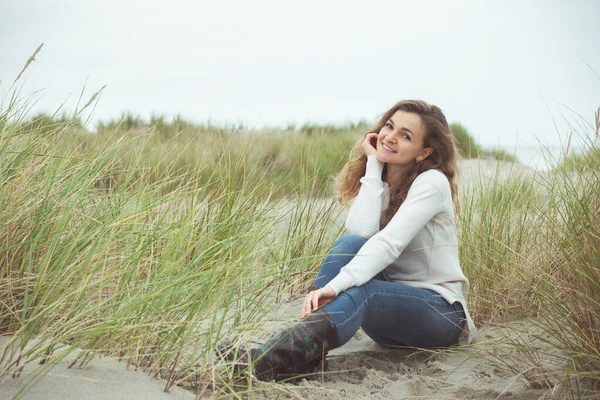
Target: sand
(104, 378)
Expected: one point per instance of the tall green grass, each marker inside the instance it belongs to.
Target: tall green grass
(96, 256)
(182, 150)
(530, 245)
(496, 240)
(268, 156)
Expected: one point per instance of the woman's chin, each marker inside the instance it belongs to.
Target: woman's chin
(383, 155)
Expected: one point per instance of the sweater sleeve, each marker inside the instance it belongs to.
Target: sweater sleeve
(365, 213)
(423, 201)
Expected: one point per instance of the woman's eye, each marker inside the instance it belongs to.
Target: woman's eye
(406, 136)
(389, 126)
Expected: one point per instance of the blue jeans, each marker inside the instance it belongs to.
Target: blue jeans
(391, 313)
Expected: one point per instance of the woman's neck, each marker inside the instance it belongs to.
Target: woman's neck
(395, 173)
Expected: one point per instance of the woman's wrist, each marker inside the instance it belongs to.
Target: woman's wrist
(374, 167)
(341, 282)
(329, 288)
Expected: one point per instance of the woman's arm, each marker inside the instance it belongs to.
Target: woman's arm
(424, 200)
(365, 213)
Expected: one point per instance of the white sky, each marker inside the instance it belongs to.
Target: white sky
(502, 68)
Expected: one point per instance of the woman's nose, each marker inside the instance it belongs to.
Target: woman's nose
(392, 136)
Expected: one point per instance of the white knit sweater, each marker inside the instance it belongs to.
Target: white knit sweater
(418, 247)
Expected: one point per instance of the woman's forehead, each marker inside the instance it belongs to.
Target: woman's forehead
(409, 121)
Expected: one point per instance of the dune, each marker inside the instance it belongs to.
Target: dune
(359, 370)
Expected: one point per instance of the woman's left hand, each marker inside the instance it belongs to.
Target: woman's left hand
(316, 299)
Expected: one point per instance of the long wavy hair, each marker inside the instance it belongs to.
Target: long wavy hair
(444, 157)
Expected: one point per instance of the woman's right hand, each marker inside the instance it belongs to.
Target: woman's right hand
(368, 143)
(316, 299)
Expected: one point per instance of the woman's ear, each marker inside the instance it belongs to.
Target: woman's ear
(424, 154)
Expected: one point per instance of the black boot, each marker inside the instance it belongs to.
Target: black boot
(296, 351)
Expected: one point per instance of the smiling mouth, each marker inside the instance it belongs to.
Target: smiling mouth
(388, 148)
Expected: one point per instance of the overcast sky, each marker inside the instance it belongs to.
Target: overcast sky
(502, 68)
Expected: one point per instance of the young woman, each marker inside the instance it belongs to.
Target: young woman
(396, 273)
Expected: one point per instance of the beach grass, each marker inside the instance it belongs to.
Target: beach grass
(95, 257)
(530, 246)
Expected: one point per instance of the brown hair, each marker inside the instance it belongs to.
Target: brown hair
(444, 157)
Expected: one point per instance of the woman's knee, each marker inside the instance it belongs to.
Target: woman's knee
(355, 296)
(350, 241)
(341, 253)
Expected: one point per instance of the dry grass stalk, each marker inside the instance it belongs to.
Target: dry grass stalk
(29, 61)
(91, 100)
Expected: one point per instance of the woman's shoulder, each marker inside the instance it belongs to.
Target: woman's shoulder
(433, 180)
(434, 177)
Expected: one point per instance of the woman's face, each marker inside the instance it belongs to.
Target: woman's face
(400, 141)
